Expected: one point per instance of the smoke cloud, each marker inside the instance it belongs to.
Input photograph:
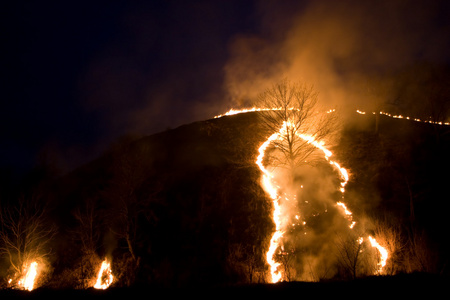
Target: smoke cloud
(342, 47)
(352, 52)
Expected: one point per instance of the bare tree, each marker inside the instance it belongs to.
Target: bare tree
(25, 233)
(246, 260)
(294, 107)
(128, 176)
(87, 233)
(287, 260)
(348, 252)
(130, 171)
(421, 255)
(390, 236)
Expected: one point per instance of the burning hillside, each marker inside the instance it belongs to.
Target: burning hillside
(187, 207)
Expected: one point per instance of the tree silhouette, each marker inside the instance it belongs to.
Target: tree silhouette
(25, 233)
(294, 107)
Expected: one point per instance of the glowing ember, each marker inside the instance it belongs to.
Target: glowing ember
(28, 280)
(342, 172)
(403, 117)
(104, 277)
(384, 255)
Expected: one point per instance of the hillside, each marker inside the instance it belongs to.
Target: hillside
(184, 207)
(192, 195)
(401, 171)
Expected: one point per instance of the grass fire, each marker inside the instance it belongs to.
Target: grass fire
(303, 196)
(270, 147)
(104, 277)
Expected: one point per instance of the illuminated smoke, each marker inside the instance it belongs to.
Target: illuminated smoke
(282, 210)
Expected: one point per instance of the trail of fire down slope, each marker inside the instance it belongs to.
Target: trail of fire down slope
(272, 189)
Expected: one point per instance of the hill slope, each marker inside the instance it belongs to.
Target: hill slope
(185, 206)
(186, 201)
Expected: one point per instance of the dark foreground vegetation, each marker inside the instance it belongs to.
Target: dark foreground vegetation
(184, 209)
(388, 287)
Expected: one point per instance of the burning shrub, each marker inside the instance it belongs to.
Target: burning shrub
(24, 238)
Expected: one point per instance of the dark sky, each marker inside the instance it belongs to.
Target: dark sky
(77, 75)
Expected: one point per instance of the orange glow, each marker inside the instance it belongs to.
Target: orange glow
(270, 189)
(104, 277)
(347, 212)
(28, 280)
(403, 117)
(269, 186)
(233, 111)
(245, 110)
(384, 255)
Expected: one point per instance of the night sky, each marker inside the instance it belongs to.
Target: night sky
(77, 75)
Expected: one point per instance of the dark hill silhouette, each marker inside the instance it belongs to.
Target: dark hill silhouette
(193, 197)
(184, 207)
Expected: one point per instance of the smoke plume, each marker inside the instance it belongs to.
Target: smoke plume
(342, 47)
(352, 52)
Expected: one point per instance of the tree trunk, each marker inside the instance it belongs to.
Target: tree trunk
(130, 247)
(377, 122)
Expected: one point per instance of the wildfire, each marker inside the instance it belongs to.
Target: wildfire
(270, 189)
(269, 186)
(384, 255)
(28, 280)
(253, 109)
(404, 117)
(347, 212)
(245, 110)
(104, 277)
(233, 111)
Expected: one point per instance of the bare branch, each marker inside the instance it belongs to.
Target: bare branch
(24, 232)
(295, 107)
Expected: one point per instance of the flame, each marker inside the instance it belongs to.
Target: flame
(270, 189)
(342, 172)
(267, 182)
(104, 277)
(384, 254)
(28, 280)
(245, 110)
(403, 117)
(347, 212)
(233, 111)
